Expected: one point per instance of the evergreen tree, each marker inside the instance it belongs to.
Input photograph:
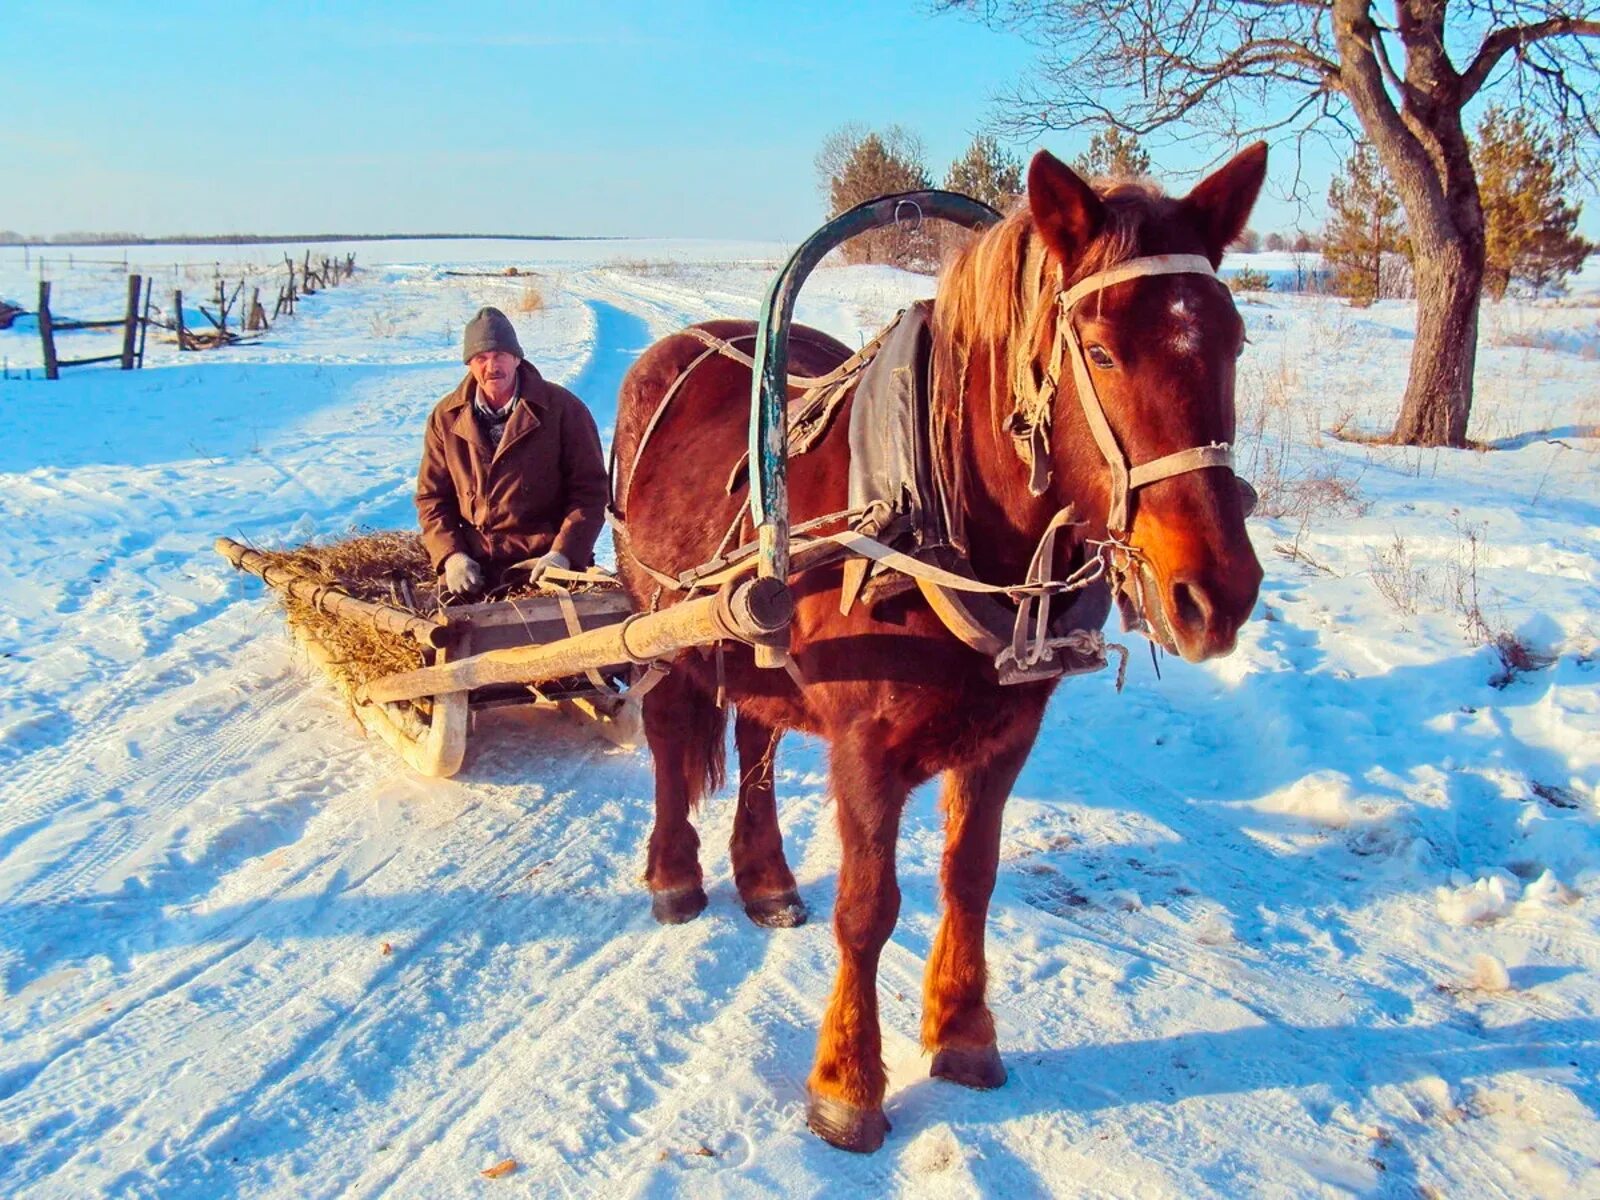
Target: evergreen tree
(1364, 225)
(1530, 225)
(857, 167)
(987, 173)
(1113, 154)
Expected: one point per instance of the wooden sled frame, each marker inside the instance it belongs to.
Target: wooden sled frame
(432, 737)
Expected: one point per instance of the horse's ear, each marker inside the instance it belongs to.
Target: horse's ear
(1221, 202)
(1065, 209)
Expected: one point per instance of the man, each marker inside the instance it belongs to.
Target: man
(512, 473)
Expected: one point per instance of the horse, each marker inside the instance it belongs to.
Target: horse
(898, 697)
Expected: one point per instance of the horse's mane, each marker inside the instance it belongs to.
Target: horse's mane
(996, 302)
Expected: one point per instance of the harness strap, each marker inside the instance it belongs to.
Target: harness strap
(1031, 423)
(808, 383)
(715, 347)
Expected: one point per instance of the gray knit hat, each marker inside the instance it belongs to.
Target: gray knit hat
(489, 330)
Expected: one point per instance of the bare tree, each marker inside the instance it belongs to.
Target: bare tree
(1402, 71)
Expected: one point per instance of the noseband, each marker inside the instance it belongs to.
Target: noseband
(1030, 424)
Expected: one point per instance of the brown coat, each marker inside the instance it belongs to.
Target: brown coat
(544, 489)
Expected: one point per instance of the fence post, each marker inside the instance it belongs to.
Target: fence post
(177, 319)
(144, 321)
(130, 324)
(47, 333)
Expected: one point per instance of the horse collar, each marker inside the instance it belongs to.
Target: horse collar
(1031, 423)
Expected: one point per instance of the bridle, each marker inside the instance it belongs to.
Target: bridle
(1030, 423)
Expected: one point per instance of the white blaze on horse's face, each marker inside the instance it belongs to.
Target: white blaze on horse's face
(1185, 336)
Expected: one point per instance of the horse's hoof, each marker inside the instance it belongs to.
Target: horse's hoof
(674, 906)
(859, 1130)
(980, 1068)
(784, 910)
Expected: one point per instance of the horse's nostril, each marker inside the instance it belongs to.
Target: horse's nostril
(1190, 605)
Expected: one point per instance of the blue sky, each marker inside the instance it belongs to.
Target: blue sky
(603, 117)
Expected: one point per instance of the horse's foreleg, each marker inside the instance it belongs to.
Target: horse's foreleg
(759, 869)
(685, 728)
(957, 1027)
(848, 1080)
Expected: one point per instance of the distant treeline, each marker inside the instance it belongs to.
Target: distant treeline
(10, 237)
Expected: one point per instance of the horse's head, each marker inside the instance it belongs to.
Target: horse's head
(1134, 343)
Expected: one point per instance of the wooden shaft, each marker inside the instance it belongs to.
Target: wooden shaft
(177, 318)
(330, 599)
(130, 326)
(743, 614)
(47, 333)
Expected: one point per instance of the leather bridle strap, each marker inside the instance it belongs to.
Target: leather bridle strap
(1125, 479)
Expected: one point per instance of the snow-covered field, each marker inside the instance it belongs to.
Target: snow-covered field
(1321, 918)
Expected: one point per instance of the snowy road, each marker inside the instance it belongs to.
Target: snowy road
(1321, 919)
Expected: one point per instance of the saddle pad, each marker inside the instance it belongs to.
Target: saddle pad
(890, 460)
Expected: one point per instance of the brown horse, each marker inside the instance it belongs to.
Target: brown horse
(897, 697)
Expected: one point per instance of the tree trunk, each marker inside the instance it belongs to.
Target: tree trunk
(1438, 396)
(1447, 231)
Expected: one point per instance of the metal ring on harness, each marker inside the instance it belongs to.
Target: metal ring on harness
(911, 203)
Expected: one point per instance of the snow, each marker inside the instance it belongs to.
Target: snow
(1319, 918)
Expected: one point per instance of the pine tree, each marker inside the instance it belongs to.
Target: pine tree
(1113, 154)
(1530, 226)
(863, 166)
(987, 173)
(1364, 225)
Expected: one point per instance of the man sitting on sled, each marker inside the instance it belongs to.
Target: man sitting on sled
(512, 475)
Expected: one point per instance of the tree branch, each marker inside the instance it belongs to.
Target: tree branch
(1498, 43)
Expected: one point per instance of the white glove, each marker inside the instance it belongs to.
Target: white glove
(462, 574)
(544, 562)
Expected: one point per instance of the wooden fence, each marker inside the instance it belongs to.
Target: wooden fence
(304, 280)
(134, 323)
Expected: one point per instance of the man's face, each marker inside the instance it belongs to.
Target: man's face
(493, 370)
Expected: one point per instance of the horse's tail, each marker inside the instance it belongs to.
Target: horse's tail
(706, 751)
(687, 727)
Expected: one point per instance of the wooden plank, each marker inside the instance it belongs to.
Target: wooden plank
(47, 333)
(69, 326)
(85, 362)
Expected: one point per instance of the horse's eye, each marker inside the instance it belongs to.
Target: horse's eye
(1100, 358)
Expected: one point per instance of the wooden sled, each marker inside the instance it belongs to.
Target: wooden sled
(430, 732)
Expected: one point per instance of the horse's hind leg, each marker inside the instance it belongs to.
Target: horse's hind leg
(685, 729)
(957, 1027)
(847, 1080)
(759, 869)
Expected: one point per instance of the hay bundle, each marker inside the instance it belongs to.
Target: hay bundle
(377, 566)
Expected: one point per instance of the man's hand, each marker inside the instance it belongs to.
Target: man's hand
(462, 574)
(544, 562)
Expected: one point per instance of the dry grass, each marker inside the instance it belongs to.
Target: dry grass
(1397, 576)
(368, 566)
(530, 300)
